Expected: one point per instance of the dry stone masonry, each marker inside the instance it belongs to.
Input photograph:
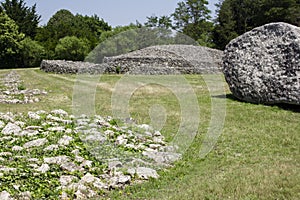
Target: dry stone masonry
(78, 158)
(168, 59)
(13, 91)
(155, 60)
(263, 65)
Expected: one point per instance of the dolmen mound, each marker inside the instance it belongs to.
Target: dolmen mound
(263, 65)
(154, 60)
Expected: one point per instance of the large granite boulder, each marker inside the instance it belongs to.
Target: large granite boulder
(263, 65)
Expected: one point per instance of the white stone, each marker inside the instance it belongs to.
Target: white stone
(88, 178)
(4, 195)
(59, 112)
(143, 172)
(33, 116)
(2, 124)
(10, 129)
(35, 143)
(65, 140)
(52, 147)
(17, 148)
(121, 140)
(56, 160)
(66, 180)
(25, 195)
(44, 168)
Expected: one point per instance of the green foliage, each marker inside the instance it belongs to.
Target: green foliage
(192, 18)
(9, 42)
(25, 17)
(126, 39)
(236, 17)
(32, 53)
(159, 22)
(63, 23)
(72, 48)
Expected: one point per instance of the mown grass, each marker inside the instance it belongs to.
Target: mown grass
(256, 157)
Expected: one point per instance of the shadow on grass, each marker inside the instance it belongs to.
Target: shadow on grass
(284, 106)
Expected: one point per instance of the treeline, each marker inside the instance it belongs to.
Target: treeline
(23, 43)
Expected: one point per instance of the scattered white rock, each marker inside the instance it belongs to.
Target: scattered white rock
(121, 140)
(44, 168)
(143, 172)
(33, 116)
(25, 196)
(88, 178)
(6, 154)
(56, 160)
(17, 148)
(66, 180)
(10, 129)
(2, 124)
(59, 112)
(52, 147)
(4, 195)
(35, 143)
(65, 140)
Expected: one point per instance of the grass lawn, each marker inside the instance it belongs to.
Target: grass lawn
(256, 157)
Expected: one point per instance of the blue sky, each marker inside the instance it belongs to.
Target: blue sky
(115, 12)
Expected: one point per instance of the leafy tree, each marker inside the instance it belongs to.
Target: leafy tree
(236, 17)
(90, 27)
(63, 23)
(25, 17)
(72, 48)
(280, 10)
(225, 28)
(9, 42)
(159, 22)
(32, 53)
(192, 18)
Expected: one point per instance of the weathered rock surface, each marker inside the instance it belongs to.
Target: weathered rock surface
(263, 65)
(155, 60)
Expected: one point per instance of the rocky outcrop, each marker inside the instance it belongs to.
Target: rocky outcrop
(263, 65)
(155, 60)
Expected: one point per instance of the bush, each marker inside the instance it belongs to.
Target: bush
(32, 53)
(72, 48)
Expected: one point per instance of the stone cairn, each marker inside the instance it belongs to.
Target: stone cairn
(154, 60)
(13, 91)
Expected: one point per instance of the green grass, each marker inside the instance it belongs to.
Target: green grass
(256, 157)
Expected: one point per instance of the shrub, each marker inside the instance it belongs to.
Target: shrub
(72, 48)
(32, 53)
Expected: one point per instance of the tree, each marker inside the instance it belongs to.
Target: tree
(225, 28)
(25, 17)
(192, 18)
(32, 53)
(236, 17)
(280, 10)
(10, 39)
(159, 22)
(63, 23)
(72, 48)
